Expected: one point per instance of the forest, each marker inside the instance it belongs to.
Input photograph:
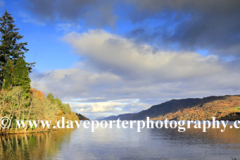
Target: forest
(18, 101)
(222, 108)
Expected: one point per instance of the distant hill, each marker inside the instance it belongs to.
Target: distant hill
(221, 107)
(99, 118)
(127, 116)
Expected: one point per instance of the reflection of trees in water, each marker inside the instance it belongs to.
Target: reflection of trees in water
(196, 136)
(32, 146)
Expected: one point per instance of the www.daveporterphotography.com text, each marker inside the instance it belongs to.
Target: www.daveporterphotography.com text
(181, 125)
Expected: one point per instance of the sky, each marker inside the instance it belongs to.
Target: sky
(113, 57)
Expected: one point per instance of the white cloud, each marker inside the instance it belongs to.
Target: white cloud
(123, 57)
(120, 76)
(121, 105)
(73, 82)
(111, 107)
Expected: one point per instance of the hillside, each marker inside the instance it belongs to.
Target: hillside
(81, 117)
(221, 107)
(16, 106)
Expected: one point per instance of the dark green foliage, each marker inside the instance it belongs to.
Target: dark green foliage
(9, 75)
(21, 77)
(81, 117)
(50, 97)
(17, 75)
(10, 48)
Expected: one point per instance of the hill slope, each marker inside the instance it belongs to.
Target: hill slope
(221, 107)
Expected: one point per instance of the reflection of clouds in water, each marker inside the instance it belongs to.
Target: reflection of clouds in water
(123, 144)
(155, 143)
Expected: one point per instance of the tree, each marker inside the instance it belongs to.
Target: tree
(9, 75)
(10, 48)
(17, 76)
(50, 97)
(21, 77)
(37, 93)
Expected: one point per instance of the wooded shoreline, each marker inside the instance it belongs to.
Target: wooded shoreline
(7, 132)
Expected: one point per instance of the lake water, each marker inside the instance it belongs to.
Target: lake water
(123, 144)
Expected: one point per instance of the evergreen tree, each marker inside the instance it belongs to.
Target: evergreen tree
(9, 75)
(50, 97)
(17, 76)
(10, 48)
(21, 77)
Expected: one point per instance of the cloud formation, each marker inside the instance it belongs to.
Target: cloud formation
(119, 75)
(94, 12)
(127, 59)
(210, 25)
(189, 25)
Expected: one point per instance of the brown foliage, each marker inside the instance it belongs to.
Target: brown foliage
(37, 93)
(221, 109)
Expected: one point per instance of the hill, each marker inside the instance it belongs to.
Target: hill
(99, 118)
(16, 106)
(221, 107)
(81, 117)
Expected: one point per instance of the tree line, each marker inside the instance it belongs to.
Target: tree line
(18, 100)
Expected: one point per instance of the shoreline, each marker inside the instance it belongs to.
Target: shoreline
(25, 132)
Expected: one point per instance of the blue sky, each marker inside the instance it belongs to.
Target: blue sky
(43, 39)
(113, 57)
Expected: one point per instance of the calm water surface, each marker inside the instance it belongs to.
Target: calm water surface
(123, 144)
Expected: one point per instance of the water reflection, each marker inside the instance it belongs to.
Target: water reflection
(212, 135)
(32, 146)
(123, 144)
